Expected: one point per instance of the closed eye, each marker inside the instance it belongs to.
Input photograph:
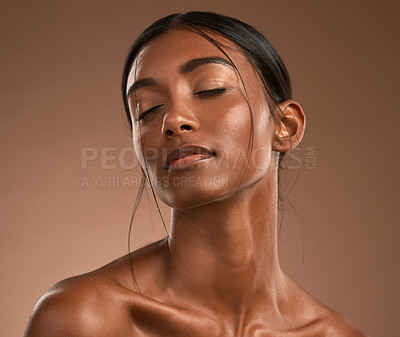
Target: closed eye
(144, 113)
(211, 92)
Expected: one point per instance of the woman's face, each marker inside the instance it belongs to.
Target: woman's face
(192, 121)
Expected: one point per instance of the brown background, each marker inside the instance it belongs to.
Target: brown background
(61, 64)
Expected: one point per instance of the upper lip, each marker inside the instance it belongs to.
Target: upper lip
(187, 150)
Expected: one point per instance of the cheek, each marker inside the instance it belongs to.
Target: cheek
(238, 119)
(236, 127)
(262, 144)
(234, 123)
(145, 145)
(137, 144)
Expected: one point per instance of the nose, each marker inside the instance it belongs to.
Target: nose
(179, 121)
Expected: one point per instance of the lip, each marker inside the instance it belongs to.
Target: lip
(186, 156)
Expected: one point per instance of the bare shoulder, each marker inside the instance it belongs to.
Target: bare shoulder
(329, 323)
(336, 325)
(98, 303)
(316, 319)
(79, 306)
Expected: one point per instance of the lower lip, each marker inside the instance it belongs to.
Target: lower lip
(188, 161)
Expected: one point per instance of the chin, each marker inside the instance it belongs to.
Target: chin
(192, 196)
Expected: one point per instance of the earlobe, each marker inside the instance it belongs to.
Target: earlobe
(290, 127)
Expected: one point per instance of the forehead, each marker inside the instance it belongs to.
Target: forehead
(171, 49)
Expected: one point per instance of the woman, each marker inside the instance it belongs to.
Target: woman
(209, 103)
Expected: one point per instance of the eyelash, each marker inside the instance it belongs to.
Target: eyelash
(203, 93)
(211, 92)
(144, 113)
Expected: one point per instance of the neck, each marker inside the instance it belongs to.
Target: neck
(223, 255)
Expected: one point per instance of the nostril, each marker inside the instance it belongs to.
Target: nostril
(185, 127)
(178, 129)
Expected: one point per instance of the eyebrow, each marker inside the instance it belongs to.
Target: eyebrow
(145, 82)
(185, 68)
(191, 65)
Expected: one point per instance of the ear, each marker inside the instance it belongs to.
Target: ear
(290, 127)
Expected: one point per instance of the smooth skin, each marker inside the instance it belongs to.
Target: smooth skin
(218, 273)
